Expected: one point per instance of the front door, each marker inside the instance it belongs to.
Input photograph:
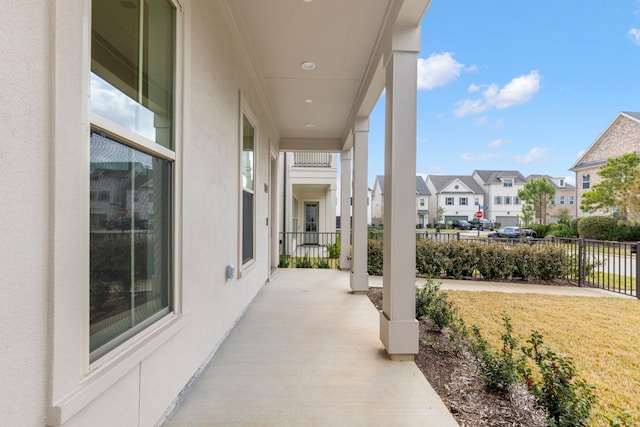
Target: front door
(311, 223)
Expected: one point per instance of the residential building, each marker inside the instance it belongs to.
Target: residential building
(377, 201)
(501, 190)
(166, 118)
(620, 137)
(457, 196)
(309, 198)
(564, 198)
(421, 202)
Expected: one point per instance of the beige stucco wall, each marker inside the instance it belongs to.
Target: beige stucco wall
(24, 190)
(44, 239)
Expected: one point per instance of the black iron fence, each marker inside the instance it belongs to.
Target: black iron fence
(309, 250)
(612, 266)
(601, 264)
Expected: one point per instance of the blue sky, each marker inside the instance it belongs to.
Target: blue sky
(507, 84)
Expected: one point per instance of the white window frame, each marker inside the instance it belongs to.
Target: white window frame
(74, 381)
(463, 201)
(507, 182)
(449, 199)
(507, 200)
(497, 200)
(476, 201)
(586, 181)
(246, 111)
(572, 200)
(421, 201)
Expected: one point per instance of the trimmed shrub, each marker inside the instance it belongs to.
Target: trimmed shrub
(374, 257)
(496, 262)
(561, 230)
(574, 226)
(463, 258)
(430, 258)
(596, 227)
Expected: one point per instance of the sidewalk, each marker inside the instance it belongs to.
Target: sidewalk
(511, 287)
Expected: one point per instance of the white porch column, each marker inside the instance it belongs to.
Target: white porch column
(398, 325)
(345, 209)
(359, 276)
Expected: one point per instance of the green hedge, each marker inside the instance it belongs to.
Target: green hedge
(459, 259)
(596, 227)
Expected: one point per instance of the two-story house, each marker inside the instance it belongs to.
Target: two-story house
(564, 198)
(422, 202)
(621, 136)
(377, 202)
(456, 196)
(501, 190)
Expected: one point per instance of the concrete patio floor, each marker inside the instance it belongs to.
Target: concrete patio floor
(307, 353)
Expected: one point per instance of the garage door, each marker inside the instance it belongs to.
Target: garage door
(506, 221)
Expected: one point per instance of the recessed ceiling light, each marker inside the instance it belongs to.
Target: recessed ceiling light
(308, 100)
(308, 66)
(310, 125)
(307, 1)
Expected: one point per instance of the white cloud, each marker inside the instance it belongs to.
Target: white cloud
(580, 153)
(478, 157)
(518, 91)
(474, 88)
(570, 179)
(435, 168)
(536, 153)
(634, 35)
(438, 69)
(470, 106)
(497, 143)
(421, 140)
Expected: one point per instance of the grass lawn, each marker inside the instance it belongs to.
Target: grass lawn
(600, 334)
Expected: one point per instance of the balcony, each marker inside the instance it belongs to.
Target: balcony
(307, 352)
(312, 160)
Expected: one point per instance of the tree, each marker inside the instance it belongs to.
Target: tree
(563, 215)
(537, 193)
(439, 215)
(616, 188)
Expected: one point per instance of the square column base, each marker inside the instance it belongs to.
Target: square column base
(400, 337)
(359, 282)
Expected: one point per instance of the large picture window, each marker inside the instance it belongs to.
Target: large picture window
(131, 168)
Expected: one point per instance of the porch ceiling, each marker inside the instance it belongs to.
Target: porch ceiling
(344, 38)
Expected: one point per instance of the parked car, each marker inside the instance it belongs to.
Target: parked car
(461, 224)
(483, 224)
(513, 233)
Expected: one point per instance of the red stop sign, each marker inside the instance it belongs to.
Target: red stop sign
(479, 214)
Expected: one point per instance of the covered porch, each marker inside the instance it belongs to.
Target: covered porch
(307, 352)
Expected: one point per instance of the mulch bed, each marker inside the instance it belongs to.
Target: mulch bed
(452, 373)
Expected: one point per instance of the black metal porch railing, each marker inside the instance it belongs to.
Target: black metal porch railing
(309, 250)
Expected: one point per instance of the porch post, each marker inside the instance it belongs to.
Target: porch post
(359, 277)
(345, 209)
(398, 324)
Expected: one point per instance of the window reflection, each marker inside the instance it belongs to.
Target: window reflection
(129, 241)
